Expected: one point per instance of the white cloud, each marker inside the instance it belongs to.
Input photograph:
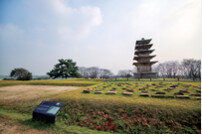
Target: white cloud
(74, 23)
(60, 7)
(173, 25)
(56, 19)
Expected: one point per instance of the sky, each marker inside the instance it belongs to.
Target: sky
(34, 34)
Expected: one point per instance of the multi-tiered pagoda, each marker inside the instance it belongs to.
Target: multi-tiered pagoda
(143, 58)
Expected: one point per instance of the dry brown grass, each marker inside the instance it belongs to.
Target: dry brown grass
(29, 92)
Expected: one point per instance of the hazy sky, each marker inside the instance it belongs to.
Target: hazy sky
(34, 34)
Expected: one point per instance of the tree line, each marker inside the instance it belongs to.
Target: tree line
(65, 68)
(187, 68)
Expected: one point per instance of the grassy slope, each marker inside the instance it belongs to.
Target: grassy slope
(58, 127)
(78, 108)
(132, 114)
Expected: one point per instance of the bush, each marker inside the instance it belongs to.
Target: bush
(21, 74)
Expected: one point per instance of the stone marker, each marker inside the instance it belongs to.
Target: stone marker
(111, 92)
(127, 93)
(143, 91)
(153, 84)
(86, 91)
(90, 89)
(153, 89)
(196, 94)
(159, 92)
(167, 89)
(98, 92)
(169, 97)
(178, 93)
(144, 94)
(183, 91)
(182, 97)
(158, 96)
(130, 90)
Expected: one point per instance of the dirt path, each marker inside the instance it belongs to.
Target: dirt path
(29, 92)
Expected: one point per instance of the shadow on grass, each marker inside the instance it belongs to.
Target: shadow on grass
(40, 125)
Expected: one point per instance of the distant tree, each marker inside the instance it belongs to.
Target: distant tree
(83, 71)
(21, 74)
(93, 72)
(188, 68)
(191, 68)
(65, 68)
(125, 73)
(105, 73)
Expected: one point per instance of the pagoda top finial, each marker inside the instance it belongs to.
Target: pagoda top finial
(143, 41)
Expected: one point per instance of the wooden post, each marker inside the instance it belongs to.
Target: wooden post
(164, 79)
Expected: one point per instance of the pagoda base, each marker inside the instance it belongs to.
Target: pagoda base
(145, 75)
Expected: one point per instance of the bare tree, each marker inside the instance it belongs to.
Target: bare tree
(188, 68)
(191, 68)
(105, 73)
(95, 72)
(83, 72)
(125, 73)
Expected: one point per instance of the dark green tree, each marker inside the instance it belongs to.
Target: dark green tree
(65, 68)
(21, 74)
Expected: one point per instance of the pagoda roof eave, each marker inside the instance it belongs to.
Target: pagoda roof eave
(144, 45)
(145, 63)
(143, 51)
(138, 57)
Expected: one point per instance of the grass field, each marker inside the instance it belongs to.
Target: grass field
(57, 82)
(102, 113)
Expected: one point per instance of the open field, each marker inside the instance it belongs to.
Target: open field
(102, 113)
